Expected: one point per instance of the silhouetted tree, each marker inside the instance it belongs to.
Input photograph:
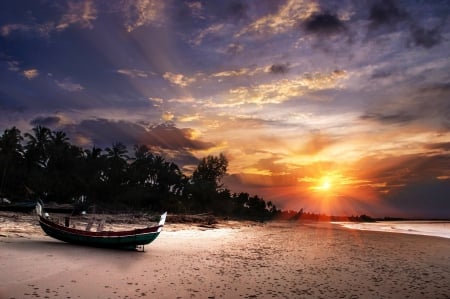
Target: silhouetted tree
(37, 147)
(92, 174)
(36, 157)
(48, 164)
(206, 181)
(63, 168)
(257, 208)
(114, 175)
(210, 171)
(11, 163)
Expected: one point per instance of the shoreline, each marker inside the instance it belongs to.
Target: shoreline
(17, 224)
(439, 229)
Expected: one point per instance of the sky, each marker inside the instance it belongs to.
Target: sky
(337, 107)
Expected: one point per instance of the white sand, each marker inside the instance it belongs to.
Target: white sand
(276, 260)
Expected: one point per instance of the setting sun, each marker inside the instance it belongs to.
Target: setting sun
(327, 182)
(324, 184)
(332, 182)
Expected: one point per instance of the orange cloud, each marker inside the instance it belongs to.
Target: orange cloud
(284, 19)
(143, 12)
(31, 73)
(279, 91)
(178, 79)
(82, 13)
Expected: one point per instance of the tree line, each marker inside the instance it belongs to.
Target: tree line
(45, 164)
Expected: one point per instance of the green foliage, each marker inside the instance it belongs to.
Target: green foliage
(45, 164)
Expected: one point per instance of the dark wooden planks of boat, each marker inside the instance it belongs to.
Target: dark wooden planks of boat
(131, 239)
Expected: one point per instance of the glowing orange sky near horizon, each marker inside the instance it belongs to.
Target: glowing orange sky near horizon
(329, 188)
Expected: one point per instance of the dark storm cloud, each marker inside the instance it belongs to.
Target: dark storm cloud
(184, 159)
(249, 181)
(435, 103)
(164, 139)
(385, 12)
(170, 137)
(324, 23)
(389, 118)
(279, 68)
(400, 171)
(237, 9)
(104, 132)
(424, 199)
(426, 38)
(271, 164)
(46, 121)
(234, 49)
(436, 89)
(380, 74)
(222, 10)
(444, 146)
(414, 185)
(424, 167)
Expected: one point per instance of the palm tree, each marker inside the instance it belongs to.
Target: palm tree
(57, 150)
(63, 168)
(116, 169)
(11, 161)
(166, 183)
(36, 158)
(139, 169)
(93, 174)
(37, 146)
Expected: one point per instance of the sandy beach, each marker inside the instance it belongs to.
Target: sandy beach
(234, 260)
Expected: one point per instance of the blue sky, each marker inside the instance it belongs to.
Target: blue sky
(299, 95)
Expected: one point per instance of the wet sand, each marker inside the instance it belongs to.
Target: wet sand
(236, 260)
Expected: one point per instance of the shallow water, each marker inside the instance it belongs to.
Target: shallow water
(427, 228)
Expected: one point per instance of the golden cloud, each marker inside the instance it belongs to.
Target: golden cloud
(184, 100)
(286, 18)
(82, 13)
(213, 29)
(240, 72)
(78, 12)
(189, 118)
(143, 12)
(178, 79)
(167, 116)
(31, 73)
(279, 91)
(157, 102)
(233, 73)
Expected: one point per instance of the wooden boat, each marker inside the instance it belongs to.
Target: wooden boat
(131, 239)
(20, 206)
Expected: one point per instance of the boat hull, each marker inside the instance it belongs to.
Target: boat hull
(112, 239)
(129, 239)
(24, 207)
